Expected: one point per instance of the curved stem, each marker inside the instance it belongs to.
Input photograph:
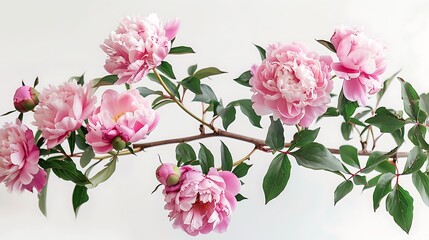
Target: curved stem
(179, 103)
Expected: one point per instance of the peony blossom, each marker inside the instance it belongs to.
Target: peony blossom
(19, 158)
(292, 83)
(62, 110)
(138, 45)
(126, 117)
(168, 174)
(202, 203)
(25, 99)
(362, 60)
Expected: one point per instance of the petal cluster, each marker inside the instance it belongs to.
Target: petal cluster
(62, 110)
(138, 45)
(202, 203)
(127, 116)
(292, 83)
(361, 61)
(19, 158)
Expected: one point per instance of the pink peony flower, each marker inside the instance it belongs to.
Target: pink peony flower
(62, 110)
(25, 99)
(168, 174)
(126, 116)
(138, 45)
(202, 203)
(362, 60)
(292, 83)
(19, 158)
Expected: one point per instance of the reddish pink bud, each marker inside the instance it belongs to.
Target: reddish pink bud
(168, 174)
(25, 99)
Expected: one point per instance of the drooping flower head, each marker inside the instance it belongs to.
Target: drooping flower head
(202, 203)
(19, 157)
(361, 61)
(25, 99)
(62, 110)
(292, 83)
(122, 118)
(138, 45)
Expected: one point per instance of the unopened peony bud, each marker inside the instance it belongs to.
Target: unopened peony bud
(25, 99)
(168, 174)
(118, 143)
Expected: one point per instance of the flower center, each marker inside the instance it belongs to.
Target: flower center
(117, 116)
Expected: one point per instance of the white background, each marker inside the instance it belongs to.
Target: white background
(59, 39)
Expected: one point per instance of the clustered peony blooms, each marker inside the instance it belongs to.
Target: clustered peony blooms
(62, 110)
(362, 60)
(292, 83)
(202, 203)
(25, 99)
(122, 118)
(19, 157)
(138, 45)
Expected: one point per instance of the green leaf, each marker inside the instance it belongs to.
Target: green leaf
(247, 110)
(192, 83)
(181, 50)
(424, 102)
(227, 114)
(105, 81)
(346, 130)
(192, 69)
(207, 95)
(36, 81)
(72, 141)
(161, 103)
(80, 196)
(330, 112)
(241, 170)
(349, 155)
(315, 156)
(167, 69)
(86, 157)
(226, 158)
(372, 182)
(411, 102)
(303, 137)
(386, 121)
(42, 196)
(79, 79)
(386, 84)
(362, 114)
(375, 158)
(261, 51)
(104, 174)
(415, 160)
(206, 159)
(240, 197)
(144, 91)
(417, 136)
(327, 44)
(184, 153)
(398, 136)
(207, 72)
(342, 190)
(385, 167)
(421, 182)
(244, 78)
(356, 121)
(382, 188)
(360, 180)
(345, 107)
(21, 116)
(276, 178)
(170, 85)
(65, 169)
(399, 204)
(275, 136)
(4, 114)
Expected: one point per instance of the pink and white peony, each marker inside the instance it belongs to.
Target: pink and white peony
(361, 61)
(62, 110)
(202, 203)
(138, 45)
(122, 118)
(292, 83)
(25, 99)
(19, 157)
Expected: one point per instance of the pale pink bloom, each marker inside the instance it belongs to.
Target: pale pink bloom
(168, 174)
(202, 203)
(127, 115)
(19, 158)
(362, 60)
(62, 110)
(292, 83)
(25, 98)
(137, 46)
